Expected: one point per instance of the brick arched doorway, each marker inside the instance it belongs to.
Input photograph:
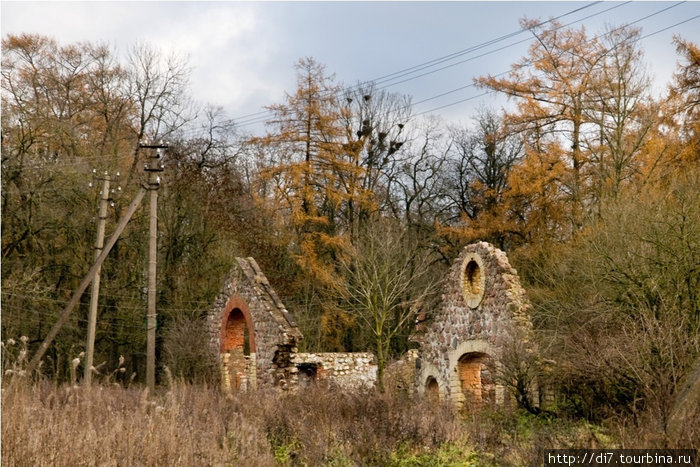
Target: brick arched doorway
(476, 378)
(236, 332)
(238, 346)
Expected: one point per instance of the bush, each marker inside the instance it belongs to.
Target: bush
(186, 350)
(617, 311)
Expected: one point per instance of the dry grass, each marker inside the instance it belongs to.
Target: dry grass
(195, 425)
(189, 425)
(47, 425)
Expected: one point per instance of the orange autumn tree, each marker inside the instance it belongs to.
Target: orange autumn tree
(584, 115)
(685, 93)
(673, 146)
(304, 145)
(315, 183)
(551, 85)
(621, 107)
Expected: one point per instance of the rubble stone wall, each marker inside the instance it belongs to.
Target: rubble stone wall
(273, 332)
(347, 370)
(483, 308)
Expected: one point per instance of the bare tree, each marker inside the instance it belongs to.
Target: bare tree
(387, 282)
(620, 105)
(157, 85)
(210, 140)
(481, 161)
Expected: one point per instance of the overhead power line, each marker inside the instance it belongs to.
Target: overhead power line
(444, 58)
(512, 44)
(413, 105)
(492, 42)
(658, 31)
(259, 117)
(386, 79)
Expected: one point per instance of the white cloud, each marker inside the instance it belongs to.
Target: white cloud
(229, 45)
(242, 53)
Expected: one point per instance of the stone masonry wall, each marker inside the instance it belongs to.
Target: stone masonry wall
(400, 375)
(273, 358)
(274, 332)
(483, 308)
(347, 370)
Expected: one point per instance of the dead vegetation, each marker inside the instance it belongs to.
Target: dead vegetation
(45, 424)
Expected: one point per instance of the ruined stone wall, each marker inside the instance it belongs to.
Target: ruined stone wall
(248, 301)
(347, 370)
(400, 375)
(483, 308)
(274, 334)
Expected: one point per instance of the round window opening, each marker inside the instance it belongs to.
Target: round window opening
(473, 280)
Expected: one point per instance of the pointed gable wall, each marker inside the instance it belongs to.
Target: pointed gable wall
(483, 309)
(273, 332)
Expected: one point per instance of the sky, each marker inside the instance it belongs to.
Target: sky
(242, 54)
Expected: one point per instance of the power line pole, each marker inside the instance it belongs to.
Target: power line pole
(34, 363)
(153, 167)
(95, 291)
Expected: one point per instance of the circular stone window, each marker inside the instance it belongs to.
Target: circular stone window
(473, 280)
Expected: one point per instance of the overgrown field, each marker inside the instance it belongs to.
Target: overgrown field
(45, 424)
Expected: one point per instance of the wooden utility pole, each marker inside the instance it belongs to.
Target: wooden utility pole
(95, 291)
(34, 363)
(153, 167)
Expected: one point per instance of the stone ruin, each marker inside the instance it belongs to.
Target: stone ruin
(483, 309)
(255, 338)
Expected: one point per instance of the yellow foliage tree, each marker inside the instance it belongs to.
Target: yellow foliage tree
(304, 143)
(585, 116)
(317, 184)
(685, 93)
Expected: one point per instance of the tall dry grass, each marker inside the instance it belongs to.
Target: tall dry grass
(193, 425)
(47, 425)
(43, 424)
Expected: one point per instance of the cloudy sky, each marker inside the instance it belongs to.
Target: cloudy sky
(242, 53)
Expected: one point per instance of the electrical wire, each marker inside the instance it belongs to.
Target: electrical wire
(480, 95)
(448, 57)
(512, 44)
(644, 18)
(264, 115)
(255, 117)
(421, 66)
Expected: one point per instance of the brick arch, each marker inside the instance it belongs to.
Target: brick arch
(474, 371)
(235, 308)
(468, 382)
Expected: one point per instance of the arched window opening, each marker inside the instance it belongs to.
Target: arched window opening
(473, 280)
(238, 345)
(432, 389)
(472, 276)
(237, 333)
